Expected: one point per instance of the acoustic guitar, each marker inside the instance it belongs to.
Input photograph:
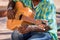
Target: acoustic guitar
(13, 15)
(21, 17)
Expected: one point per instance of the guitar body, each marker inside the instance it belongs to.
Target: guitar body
(14, 21)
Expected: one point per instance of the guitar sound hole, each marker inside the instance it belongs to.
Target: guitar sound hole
(20, 17)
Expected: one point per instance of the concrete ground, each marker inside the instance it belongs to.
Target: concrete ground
(5, 34)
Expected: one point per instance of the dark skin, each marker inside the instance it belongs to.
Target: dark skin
(36, 2)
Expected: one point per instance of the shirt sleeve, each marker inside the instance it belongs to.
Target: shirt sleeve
(52, 23)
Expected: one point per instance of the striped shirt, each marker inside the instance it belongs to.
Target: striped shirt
(45, 10)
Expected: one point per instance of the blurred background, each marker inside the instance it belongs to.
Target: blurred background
(5, 34)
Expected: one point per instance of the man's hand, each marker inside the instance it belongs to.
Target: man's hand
(24, 29)
(30, 28)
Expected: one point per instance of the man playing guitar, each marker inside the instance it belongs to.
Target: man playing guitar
(44, 10)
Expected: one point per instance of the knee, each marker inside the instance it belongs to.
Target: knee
(41, 36)
(16, 35)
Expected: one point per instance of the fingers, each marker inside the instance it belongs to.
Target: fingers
(42, 27)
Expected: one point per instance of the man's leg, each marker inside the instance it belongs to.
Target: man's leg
(40, 36)
(18, 36)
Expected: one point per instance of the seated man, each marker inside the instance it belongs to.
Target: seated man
(45, 10)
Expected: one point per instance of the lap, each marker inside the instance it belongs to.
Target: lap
(40, 36)
(31, 36)
(16, 35)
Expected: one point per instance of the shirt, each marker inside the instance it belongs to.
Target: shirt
(45, 10)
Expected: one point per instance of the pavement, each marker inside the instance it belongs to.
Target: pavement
(5, 34)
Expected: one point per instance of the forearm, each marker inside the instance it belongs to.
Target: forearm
(31, 28)
(28, 29)
(35, 28)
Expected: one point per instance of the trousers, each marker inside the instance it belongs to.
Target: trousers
(31, 36)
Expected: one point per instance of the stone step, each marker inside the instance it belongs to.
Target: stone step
(5, 34)
(58, 34)
(5, 31)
